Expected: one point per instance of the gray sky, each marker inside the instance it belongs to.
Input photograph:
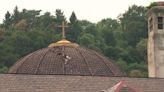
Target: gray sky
(92, 10)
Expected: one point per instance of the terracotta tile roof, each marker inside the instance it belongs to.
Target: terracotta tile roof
(59, 83)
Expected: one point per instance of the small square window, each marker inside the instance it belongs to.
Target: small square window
(160, 19)
(160, 26)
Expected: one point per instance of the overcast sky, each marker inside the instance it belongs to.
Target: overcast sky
(92, 10)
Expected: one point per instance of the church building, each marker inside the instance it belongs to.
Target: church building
(67, 67)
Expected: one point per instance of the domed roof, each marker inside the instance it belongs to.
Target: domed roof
(65, 58)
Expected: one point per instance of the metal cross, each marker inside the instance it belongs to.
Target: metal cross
(63, 26)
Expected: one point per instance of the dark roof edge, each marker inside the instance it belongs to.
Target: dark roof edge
(79, 76)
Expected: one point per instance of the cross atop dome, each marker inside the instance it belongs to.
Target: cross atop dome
(63, 42)
(63, 26)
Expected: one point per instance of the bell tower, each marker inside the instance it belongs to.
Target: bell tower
(156, 40)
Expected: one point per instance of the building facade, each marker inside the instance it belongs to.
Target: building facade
(156, 41)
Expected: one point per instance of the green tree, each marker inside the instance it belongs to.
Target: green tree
(86, 40)
(15, 16)
(142, 50)
(47, 21)
(59, 17)
(133, 30)
(21, 25)
(137, 70)
(1, 34)
(31, 17)
(134, 24)
(73, 18)
(107, 27)
(74, 28)
(7, 20)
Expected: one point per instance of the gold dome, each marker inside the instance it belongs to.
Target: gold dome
(63, 42)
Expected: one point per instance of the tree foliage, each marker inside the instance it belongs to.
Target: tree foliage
(123, 40)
